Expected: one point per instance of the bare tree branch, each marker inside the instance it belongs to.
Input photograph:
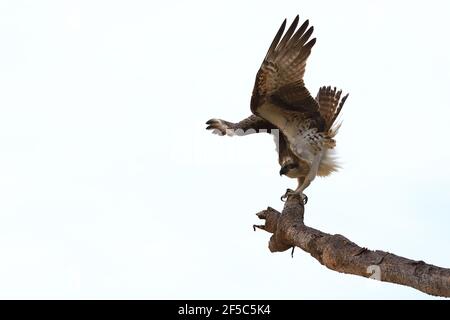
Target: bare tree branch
(340, 254)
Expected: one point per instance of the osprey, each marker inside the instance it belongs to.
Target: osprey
(281, 101)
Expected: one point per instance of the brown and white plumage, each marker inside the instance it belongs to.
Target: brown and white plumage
(330, 106)
(280, 97)
(280, 77)
(281, 101)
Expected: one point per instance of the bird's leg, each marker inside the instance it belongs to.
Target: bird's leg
(290, 192)
(307, 180)
(299, 192)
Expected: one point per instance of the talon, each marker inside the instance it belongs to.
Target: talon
(286, 195)
(305, 199)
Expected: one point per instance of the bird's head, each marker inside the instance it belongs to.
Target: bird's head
(290, 169)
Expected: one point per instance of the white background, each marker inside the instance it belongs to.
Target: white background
(111, 188)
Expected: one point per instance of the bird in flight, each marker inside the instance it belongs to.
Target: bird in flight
(280, 103)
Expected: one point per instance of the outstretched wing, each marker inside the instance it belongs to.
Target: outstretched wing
(280, 76)
(330, 104)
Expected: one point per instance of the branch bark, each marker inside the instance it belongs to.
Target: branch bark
(340, 254)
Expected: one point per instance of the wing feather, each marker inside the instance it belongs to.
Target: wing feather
(330, 104)
(276, 40)
(287, 36)
(281, 73)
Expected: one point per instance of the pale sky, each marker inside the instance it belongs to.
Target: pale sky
(110, 187)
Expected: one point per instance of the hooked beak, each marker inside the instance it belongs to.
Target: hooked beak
(284, 170)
